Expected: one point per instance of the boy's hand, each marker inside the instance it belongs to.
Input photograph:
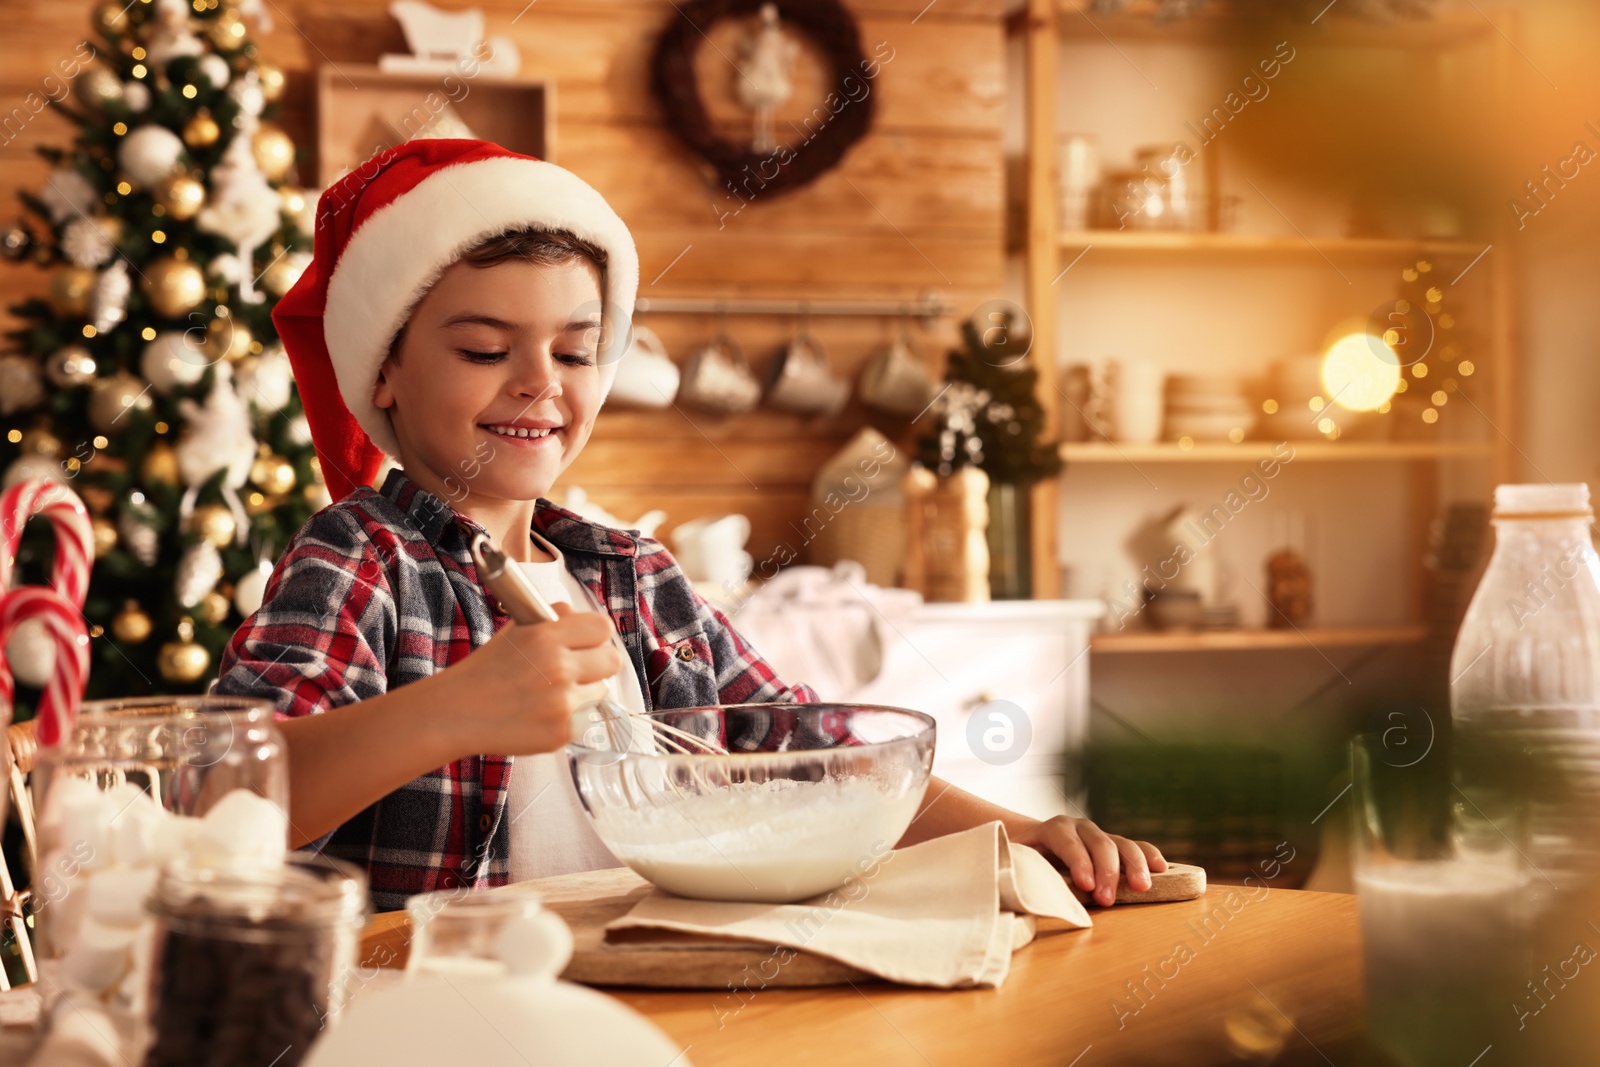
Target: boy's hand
(1094, 858)
(517, 692)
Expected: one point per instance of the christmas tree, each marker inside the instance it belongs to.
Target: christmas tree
(989, 413)
(150, 380)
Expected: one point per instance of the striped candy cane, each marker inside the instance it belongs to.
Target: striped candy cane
(58, 708)
(67, 517)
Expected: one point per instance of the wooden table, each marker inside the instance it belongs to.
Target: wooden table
(1199, 982)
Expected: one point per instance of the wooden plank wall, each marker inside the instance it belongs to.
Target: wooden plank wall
(916, 205)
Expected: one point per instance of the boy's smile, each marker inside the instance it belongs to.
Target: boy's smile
(494, 386)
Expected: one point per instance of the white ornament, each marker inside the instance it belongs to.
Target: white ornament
(199, 571)
(215, 68)
(150, 153)
(32, 466)
(251, 589)
(21, 385)
(243, 206)
(136, 95)
(85, 243)
(173, 359)
(138, 537)
(299, 430)
(217, 435)
(32, 653)
(248, 94)
(172, 36)
(317, 496)
(228, 267)
(108, 304)
(267, 381)
(68, 194)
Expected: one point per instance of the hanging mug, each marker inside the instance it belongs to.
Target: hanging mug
(896, 380)
(717, 378)
(801, 382)
(646, 377)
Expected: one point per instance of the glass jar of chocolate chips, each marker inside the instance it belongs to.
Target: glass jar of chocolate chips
(249, 964)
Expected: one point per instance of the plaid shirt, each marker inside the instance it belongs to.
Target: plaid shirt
(379, 590)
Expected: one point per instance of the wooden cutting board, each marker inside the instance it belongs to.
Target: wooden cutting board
(667, 960)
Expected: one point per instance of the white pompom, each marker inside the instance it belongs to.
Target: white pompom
(173, 359)
(150, 153)
(32, 653)
(251, 589)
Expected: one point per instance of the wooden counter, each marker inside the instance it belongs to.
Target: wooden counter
(1215, 980)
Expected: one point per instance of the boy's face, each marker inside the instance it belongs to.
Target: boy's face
(490, 351)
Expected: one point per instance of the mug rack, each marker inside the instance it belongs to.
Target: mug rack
(928, 308)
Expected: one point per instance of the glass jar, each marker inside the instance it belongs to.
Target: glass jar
(1163, 164)
(487, 934)
(95, 793)
(248, 966)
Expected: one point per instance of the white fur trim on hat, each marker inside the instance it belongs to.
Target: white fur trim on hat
(392, 259)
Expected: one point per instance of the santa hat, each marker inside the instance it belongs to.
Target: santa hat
(385, 233)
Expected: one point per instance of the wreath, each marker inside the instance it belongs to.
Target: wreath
(834, 31)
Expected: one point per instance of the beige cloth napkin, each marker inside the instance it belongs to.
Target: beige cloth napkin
(946, 913)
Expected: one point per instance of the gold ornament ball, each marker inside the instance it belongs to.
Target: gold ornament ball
(201, 131)
(131, 625)
(182, 196)
(183, 661)
(113, 401)
(274, 151)
(70, 290)
(160, 466)
(274, 474)
(214, 608)
(39, 441)
(174, 286)
(272, 81)
(215, 523)
(228, 338)
(105, 535)
(279, 278)
(113, 18)
(97, 88)
(294, 200)
(227, 31)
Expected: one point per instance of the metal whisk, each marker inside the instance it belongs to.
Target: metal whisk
(527, 607)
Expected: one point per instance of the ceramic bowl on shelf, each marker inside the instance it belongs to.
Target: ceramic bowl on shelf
(805, 797)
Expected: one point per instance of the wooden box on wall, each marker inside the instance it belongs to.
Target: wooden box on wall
(362, 109)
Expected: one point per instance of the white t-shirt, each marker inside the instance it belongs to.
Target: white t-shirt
(550, 834)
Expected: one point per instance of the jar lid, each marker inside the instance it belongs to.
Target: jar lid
(1542, 500)
(305, 892)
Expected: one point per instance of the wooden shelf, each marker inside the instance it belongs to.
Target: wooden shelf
(1219, 23)
(1249, 451)
(1183, 242)
(1309, 639)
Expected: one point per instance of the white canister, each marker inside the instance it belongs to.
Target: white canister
(1136, 400)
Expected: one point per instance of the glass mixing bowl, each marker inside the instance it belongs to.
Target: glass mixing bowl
(806, 796)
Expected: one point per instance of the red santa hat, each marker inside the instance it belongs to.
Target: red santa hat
(385, 233)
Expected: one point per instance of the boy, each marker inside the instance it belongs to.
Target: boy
(464, 313)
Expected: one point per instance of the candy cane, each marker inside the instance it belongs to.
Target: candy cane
(74, 535)
(58, 708)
